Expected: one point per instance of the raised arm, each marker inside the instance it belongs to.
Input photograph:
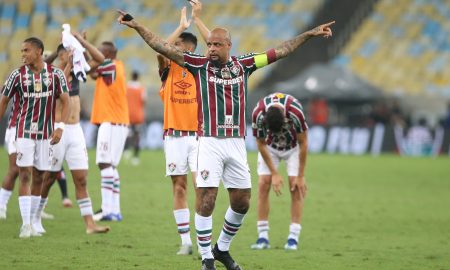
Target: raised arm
(184, 24)
(97, 56)
(289, 46)
(196, 12)
(155, 42)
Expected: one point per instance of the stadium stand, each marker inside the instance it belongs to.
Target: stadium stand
(403, 48)
(255, 25)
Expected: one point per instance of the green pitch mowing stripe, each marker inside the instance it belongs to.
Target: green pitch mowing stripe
(360, 213)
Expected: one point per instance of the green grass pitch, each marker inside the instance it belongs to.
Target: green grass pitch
(361, 213)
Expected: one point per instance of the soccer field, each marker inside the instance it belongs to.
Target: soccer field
(361, 213)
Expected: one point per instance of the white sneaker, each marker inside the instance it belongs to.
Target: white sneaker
(2, 213)
(291, 244)
(34, 232)
(261, 243)
(45, 215)
(37, 225)
(25, 231)
(185, 250)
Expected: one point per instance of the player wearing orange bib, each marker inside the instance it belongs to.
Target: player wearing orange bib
(178, 93)
(110, 112)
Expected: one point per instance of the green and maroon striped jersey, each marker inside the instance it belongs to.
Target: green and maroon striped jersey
(222, 91)
(294, 121)
(37, 95)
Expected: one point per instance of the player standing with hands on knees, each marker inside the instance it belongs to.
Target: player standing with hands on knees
(37, 85)
(280, 129)
(221, 81)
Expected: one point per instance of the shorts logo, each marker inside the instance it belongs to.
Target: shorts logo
(172, 166)
(19, 155)
(54, 161)
(204, 174)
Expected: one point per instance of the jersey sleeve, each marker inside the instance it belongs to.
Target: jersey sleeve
(193, 62)
(254, 61)
(11, 85)
(258, 127)
(61, 82)
(295, 111)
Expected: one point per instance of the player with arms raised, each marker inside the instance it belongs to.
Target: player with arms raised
(221, 82)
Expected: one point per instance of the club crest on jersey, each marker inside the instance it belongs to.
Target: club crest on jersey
(225, 73)
(235, 70)
(172, 166)
(184, 74)
(204, 174)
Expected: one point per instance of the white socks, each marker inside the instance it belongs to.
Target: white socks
(231, 226)
(4, 197)
(294, 231)
(107, 176)
(203, 226)
(182, 217)
(25, 209)
(116, 193)
(85, 206)
(263, 229)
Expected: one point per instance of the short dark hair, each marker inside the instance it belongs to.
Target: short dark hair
(135, 75)
(188, 37)
(60, 48)
(111, 45)
(35, 42)
(274, 119)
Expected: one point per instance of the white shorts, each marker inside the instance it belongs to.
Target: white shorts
(181, 154)
(34, 153)
(110, 143)
(223, 159)
(71, 148)
(10, 140)
(291, 157)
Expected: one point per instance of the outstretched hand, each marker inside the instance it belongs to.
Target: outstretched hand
(323, 30)
(196, 8)
(184, 22)
(121, 20)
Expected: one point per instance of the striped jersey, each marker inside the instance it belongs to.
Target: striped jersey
(222, 91)
(294, 121)
(37, 94)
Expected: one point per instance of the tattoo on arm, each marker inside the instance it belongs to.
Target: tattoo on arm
(287, 47)
(161, 46)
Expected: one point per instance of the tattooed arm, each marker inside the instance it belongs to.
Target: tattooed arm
(156, 43)
(289, 46)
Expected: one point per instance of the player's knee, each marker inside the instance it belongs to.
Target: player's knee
(241, 206)
(179, 190)
(80, 182)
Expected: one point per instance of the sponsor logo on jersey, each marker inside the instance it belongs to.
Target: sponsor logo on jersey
(183, 85)
(225, 73)
(226, 82)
